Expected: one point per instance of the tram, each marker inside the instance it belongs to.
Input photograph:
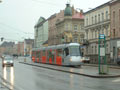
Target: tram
(64, 54)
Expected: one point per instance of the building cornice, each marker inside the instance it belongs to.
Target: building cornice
(97, 24)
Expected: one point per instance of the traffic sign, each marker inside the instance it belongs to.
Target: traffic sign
(101, 36)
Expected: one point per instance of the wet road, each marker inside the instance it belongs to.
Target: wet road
(25, 77)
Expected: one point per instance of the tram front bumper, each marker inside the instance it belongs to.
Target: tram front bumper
(75, 62)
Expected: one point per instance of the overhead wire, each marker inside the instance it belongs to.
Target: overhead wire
(14, 29)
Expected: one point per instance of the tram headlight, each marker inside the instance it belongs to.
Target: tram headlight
(70, 59)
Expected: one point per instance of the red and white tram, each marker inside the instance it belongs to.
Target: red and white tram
(64, 54)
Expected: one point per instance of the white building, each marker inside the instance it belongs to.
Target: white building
(41, 32)
(97, 21)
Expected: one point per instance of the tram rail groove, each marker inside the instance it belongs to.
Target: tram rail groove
(92, 76)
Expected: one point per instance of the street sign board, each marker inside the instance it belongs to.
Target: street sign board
(102, 51)
(118, 43)
(101, 36)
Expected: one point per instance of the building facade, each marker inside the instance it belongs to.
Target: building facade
(70, 29)
(20, 48)
(115, 29)
(52, 39)
(97, 21)
(28, 45)
(41, 32)
(7, 48)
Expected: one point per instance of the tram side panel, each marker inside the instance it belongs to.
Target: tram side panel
(33, 56)
(43, 56)
(59, 56)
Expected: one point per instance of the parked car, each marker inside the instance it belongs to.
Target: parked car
(8, 61)
(85, 59)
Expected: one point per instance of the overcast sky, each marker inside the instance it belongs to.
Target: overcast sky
(18, 17)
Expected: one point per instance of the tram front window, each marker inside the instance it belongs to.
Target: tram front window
(75, 51)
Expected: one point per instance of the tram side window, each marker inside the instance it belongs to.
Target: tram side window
(33, 53)
(43, 53)
(59, 52)
(66, 51)
(37, 54)
(51, 54)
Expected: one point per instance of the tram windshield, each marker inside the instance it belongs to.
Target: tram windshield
(74, 50)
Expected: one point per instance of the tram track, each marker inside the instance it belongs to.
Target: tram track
(71, 72)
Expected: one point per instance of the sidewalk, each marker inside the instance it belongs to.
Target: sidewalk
(84, 70)
(110, 66)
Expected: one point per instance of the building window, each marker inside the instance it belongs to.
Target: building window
(92, 34)
(113, 33)
(92, 20)
(95, 33)
(95, 19)
(81, 26)
(106, 30)
(106, 15)
(119, 16)
(95, 49)
(75, 27)
(66, 27)
(102, 16)
(87, 22)
(98, 17)
(87, 35)
(75, 39)
(92, 50)
(113, 18)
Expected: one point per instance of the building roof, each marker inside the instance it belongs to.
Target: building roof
(7, 44)
(68, 10)
(78, 16)
(46, 42)
(40, 21)
(29, 41)
(105, 4)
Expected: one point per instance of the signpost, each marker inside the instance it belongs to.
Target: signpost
(103, 68)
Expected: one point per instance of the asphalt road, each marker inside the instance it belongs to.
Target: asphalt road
(25, 77)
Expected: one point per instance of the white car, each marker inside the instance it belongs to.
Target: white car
(85, 59)
(7, 61)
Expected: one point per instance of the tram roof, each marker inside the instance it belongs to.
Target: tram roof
(56, 46)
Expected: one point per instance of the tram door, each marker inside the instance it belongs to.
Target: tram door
(51, 55)
(33, 56)
(43, 56)
(37, 56)
(59, 57)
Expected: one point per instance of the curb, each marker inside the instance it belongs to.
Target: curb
(94, 65)
(92, 76)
